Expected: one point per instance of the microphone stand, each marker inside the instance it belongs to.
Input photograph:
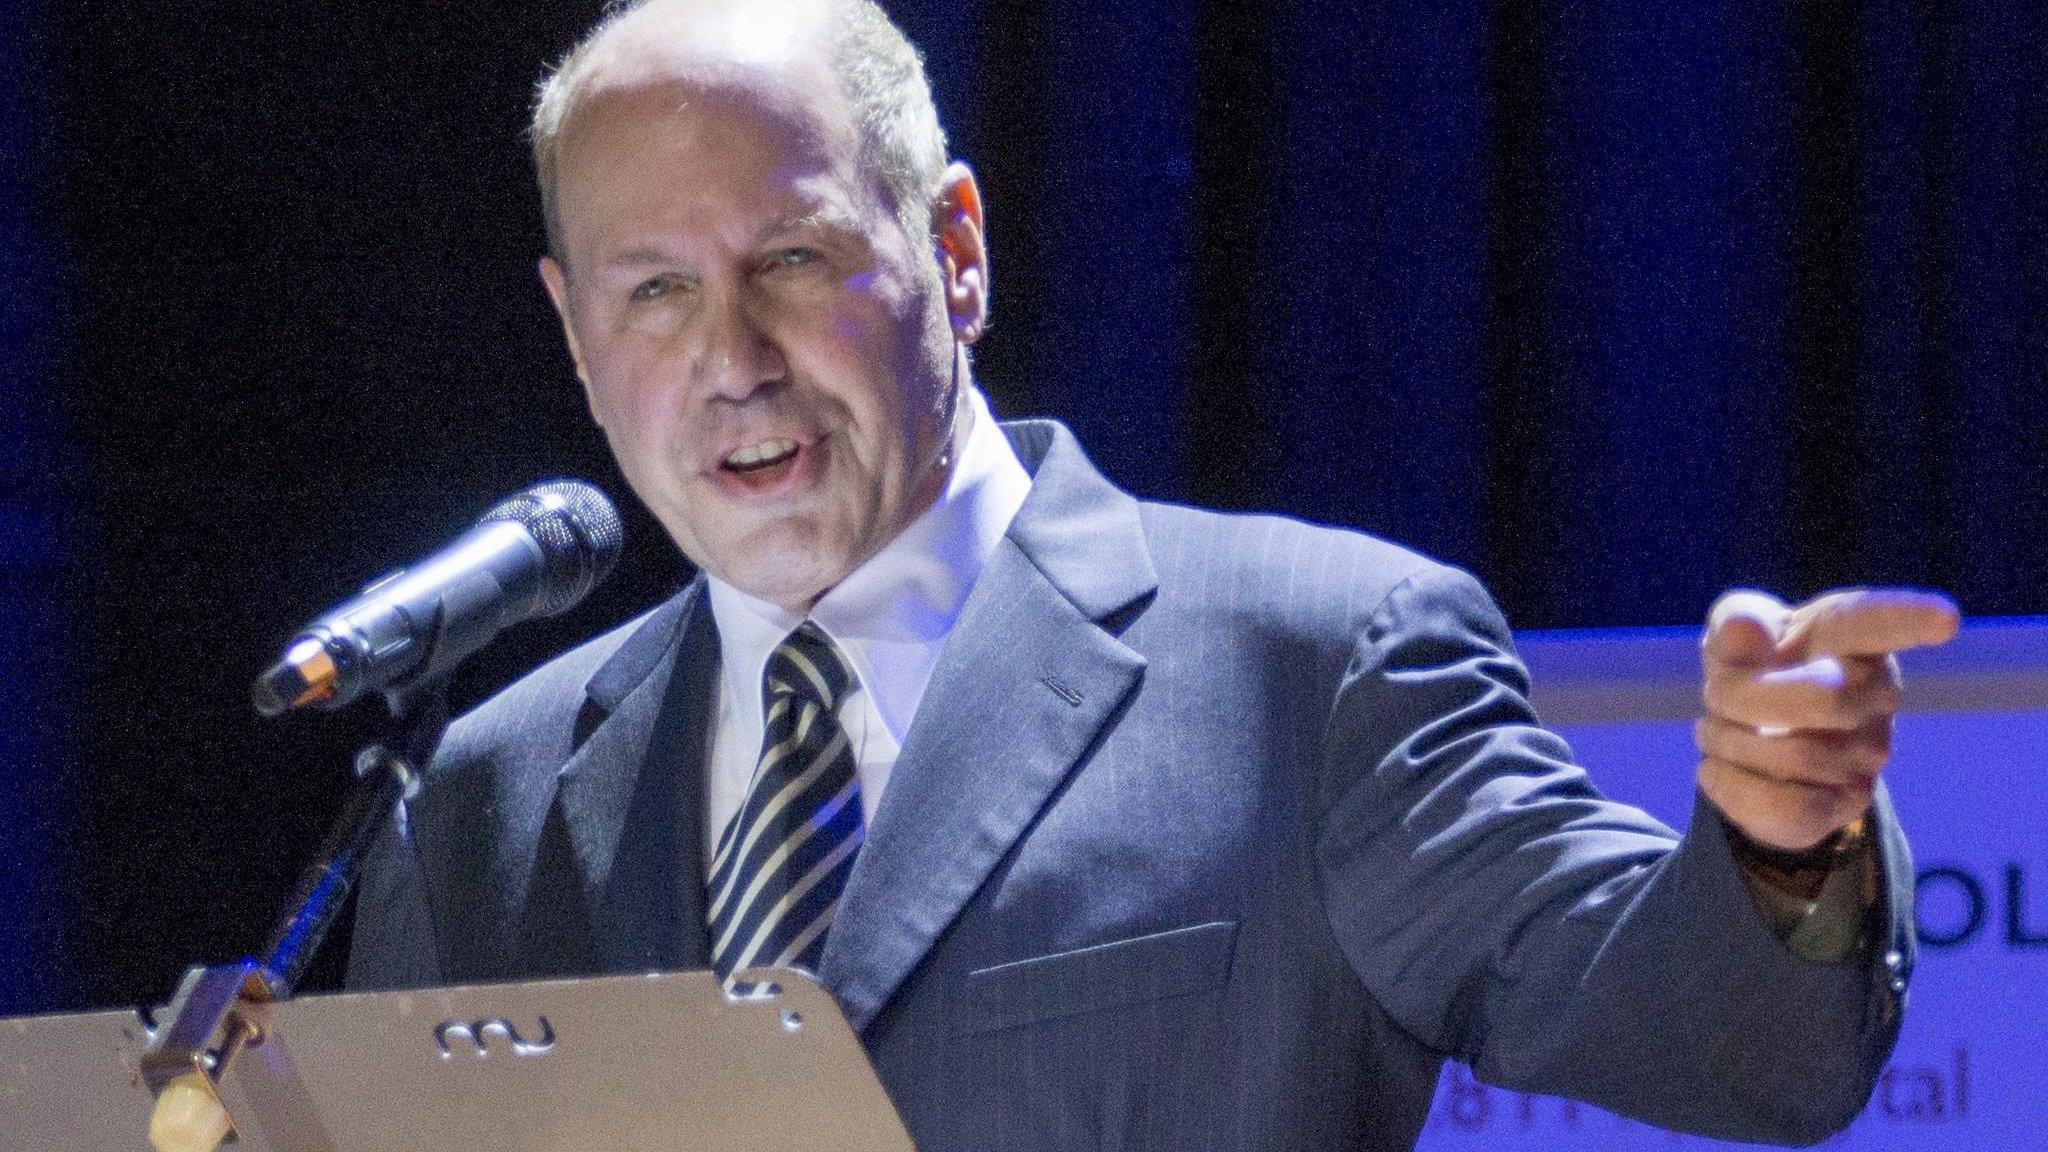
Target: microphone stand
(221, 1009)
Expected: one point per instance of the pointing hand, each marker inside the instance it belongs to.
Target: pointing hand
(1799, 705)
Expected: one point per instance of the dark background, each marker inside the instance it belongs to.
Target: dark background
(1617, 305)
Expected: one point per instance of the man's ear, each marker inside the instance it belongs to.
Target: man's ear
(962, 251)
(556, 278)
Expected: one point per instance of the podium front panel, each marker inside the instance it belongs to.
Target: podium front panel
(660, 1063)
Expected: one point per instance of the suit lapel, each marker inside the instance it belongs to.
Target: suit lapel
(631, 798)
(1023, 689)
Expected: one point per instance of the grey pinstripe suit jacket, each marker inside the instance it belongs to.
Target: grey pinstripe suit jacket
(1213, 832)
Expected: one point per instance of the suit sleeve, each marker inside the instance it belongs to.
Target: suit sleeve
(1506, 913)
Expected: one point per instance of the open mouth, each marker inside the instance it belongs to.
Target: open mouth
(760, 457)
(769, 468)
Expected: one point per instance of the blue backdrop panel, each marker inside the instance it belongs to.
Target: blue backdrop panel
(1969, 756)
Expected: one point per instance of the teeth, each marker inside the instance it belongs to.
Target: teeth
(766, 450)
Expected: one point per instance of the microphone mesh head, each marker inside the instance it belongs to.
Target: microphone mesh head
(579, 534)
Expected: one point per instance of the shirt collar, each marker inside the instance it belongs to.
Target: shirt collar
(890, 616)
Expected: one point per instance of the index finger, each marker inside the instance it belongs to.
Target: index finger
(1870, 622)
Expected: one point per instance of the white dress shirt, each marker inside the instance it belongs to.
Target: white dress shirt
(889, 618)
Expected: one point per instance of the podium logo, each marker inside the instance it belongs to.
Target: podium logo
(477, 1037)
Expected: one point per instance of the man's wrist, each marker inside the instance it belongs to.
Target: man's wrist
(1817, 900)
(1800, 873)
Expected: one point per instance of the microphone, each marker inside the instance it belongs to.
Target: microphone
(535, 554)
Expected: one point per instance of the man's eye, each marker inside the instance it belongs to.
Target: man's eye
(795, 257)
(654, 288)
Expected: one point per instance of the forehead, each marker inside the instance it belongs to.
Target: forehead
(658, 124)
(668, 68)
(713, 124)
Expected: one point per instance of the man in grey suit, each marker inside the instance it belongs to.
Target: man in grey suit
(1110, 824)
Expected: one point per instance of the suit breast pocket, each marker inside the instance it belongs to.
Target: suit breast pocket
(1139, 970)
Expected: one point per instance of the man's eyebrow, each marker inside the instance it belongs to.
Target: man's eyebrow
(639, 256)
(646, 255)
(824, 218)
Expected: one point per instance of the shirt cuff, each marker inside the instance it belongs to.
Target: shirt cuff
(1818, 901)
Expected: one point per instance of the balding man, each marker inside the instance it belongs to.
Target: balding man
(1109, 824)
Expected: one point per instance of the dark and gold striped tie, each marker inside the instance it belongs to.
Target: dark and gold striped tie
(783, 860)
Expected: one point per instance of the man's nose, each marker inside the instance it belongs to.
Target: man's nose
(739, 354)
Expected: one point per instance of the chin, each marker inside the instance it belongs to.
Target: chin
(793, 578)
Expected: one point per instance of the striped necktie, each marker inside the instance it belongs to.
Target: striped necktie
(783, 860)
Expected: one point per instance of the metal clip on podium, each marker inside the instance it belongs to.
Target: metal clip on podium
(221, 1010)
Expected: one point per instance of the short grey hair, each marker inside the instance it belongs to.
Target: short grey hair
(884, 78)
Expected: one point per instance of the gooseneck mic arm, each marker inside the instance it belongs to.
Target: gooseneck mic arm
(384, 776)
